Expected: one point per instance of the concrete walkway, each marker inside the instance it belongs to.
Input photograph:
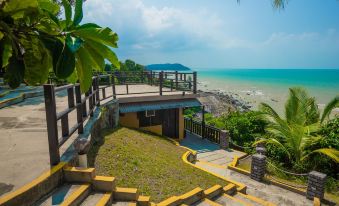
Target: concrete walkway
(211, 157)
(24, 153)
(210, 152)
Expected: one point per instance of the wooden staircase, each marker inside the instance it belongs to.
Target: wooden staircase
(82, 187)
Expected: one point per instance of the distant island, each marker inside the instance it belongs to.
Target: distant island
(166, 67)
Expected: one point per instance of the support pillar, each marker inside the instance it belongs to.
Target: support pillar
(224, 139)
(258, 167)
(316, 185)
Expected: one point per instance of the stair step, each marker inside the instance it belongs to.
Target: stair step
(97, 199)
(207, 202)
(121, 203)
(77, 196)
(251, 199)
(230, 201)
(57, 196)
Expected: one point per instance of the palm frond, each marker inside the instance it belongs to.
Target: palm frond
(329, 107)
(329, 152)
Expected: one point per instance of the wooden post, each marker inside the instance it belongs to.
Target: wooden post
(161, 78)
(194, 82)
(171, 85)
(151, 77)
(191, 124)
(90, 99)
(176, 80)
(127, 88)
(79, 109)
(97, 94)
(203, 125)
(113, 87)
(52, 127)
(70, 94)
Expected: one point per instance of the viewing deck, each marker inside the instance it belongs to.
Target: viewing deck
(24, 147)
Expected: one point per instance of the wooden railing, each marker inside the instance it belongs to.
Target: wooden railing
(76, 101)
(202, 130)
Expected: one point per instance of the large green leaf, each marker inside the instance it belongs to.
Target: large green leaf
(1, 35)
(68, 11)
(63, 57)
(6, 52)
(37, 60)
(77, 12)
(50, 6)
(100, 35)
(48, 26)
(65, 64)
(15, 72)
(84, 69)
(17, 8)
(74, 43)
(97, 58)
(104, 51)
(87, 25)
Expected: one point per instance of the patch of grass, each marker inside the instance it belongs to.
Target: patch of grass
(148, 162)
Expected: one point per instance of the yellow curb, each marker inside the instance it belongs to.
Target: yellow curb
(33, 183)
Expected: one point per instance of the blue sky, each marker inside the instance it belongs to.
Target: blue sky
(222, 34)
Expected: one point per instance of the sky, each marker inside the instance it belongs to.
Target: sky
(222, 33)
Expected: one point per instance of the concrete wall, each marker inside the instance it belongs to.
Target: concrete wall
(131, 120)
(157, 129)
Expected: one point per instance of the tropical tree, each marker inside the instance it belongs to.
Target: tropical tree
(298, 131)
(35, 40)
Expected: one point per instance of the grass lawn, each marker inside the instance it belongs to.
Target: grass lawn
(148, 162)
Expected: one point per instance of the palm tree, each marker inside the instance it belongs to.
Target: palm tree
(298, 131)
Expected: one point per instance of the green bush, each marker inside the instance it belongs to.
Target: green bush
(244, 127)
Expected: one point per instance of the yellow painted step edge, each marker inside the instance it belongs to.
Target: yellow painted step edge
(256, 199)
(75, 195)
(104, 199)
(237, 200)
(212, 189)
(33, 183)
(241, 187)
(210, 202)
(132, 204)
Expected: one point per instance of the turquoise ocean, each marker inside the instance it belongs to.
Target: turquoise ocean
(271, 85)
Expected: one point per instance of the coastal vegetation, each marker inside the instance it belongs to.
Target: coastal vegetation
(149, 162)
(301, 141)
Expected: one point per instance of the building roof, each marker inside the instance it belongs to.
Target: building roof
(158, 105)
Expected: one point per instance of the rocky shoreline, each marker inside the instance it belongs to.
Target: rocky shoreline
(218, 102)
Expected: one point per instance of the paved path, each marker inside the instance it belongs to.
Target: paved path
(211, 157)
(210, 152)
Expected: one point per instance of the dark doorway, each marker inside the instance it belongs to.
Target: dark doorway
(170, 124)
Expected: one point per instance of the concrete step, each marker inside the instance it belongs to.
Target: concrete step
(121, 203)
(98, 199)
(255, 201)
(67, 194)
(230, 201)
(207, 202)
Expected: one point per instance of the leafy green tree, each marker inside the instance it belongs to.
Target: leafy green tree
(298, 131)
(34, 40)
